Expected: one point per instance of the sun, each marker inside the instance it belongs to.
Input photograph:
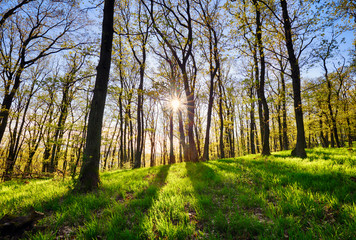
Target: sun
(175, 104)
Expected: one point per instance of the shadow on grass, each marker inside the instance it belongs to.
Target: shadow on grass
(315, 153)
(333, 183)
(127, 217)
(80, 215)
(201, 176)
(109, 174)
(219, 213)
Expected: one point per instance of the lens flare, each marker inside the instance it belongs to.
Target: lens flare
(175, 104)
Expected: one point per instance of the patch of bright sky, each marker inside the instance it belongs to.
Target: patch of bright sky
(344, 51)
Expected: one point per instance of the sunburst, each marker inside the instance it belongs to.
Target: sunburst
(175, 104)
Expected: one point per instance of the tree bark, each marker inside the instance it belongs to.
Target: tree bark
(181, 133)
(56, 147)
(331, 112)
(171, 150)
(265, 131)
(213, 57)
(252, 122)
(284, 111)
(221, 116)
(15, 144)
(299, 149)
(89, 174)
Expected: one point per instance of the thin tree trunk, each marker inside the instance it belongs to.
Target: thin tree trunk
(60, 128)
(15, 139)
(221, 116)
(213, 72)
(252, 122)
(181, 133)
(171, 150)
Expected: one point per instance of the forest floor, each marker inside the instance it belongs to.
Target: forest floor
(250, 197)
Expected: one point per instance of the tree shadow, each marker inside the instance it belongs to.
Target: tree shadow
(254, 198)
(333, 182)
(201, 176)
(113, 173)
(218, 213)
(127, 217)
(312, 154)
(70, 214)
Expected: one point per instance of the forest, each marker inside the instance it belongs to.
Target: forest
(233, 103)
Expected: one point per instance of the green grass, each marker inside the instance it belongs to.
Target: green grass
(249, 197)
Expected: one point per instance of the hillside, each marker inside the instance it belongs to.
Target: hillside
(244, 198)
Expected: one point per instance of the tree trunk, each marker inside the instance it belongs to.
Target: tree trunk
(349, 135)
(60, 128)
(252, 122)
(213, 71)
(192, 148)
(324, 143)
(221, 116)
(15, 145)
(280, 129)
(331, 112)
(9, 97)
(284, 111)
(263, 106)
(89, 174)
(34, 144)
(208, 123)
(299, 150)
(181, 134)
(171, 150)
(139, 142)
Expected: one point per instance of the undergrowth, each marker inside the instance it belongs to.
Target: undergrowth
(250, 197)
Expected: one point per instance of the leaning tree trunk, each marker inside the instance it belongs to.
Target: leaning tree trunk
(299, 150)
(89, 174)
(9, 98)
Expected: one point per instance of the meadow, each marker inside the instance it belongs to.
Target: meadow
(249, 197)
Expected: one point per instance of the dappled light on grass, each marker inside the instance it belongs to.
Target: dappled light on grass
(249, 197)
(17, 196)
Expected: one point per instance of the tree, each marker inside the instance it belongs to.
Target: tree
(12, 11)
(67, 83)
(137, 33)
(89, 174)
(325, 52)
(39, 31)
(299, 149)
(262, 101)
(177, 34)
(16, 139)
(209, 15)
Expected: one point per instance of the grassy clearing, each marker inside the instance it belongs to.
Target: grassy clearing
(245, 198)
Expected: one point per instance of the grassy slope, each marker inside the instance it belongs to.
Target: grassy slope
(248, 197)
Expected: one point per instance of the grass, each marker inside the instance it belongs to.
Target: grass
(249, 197)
